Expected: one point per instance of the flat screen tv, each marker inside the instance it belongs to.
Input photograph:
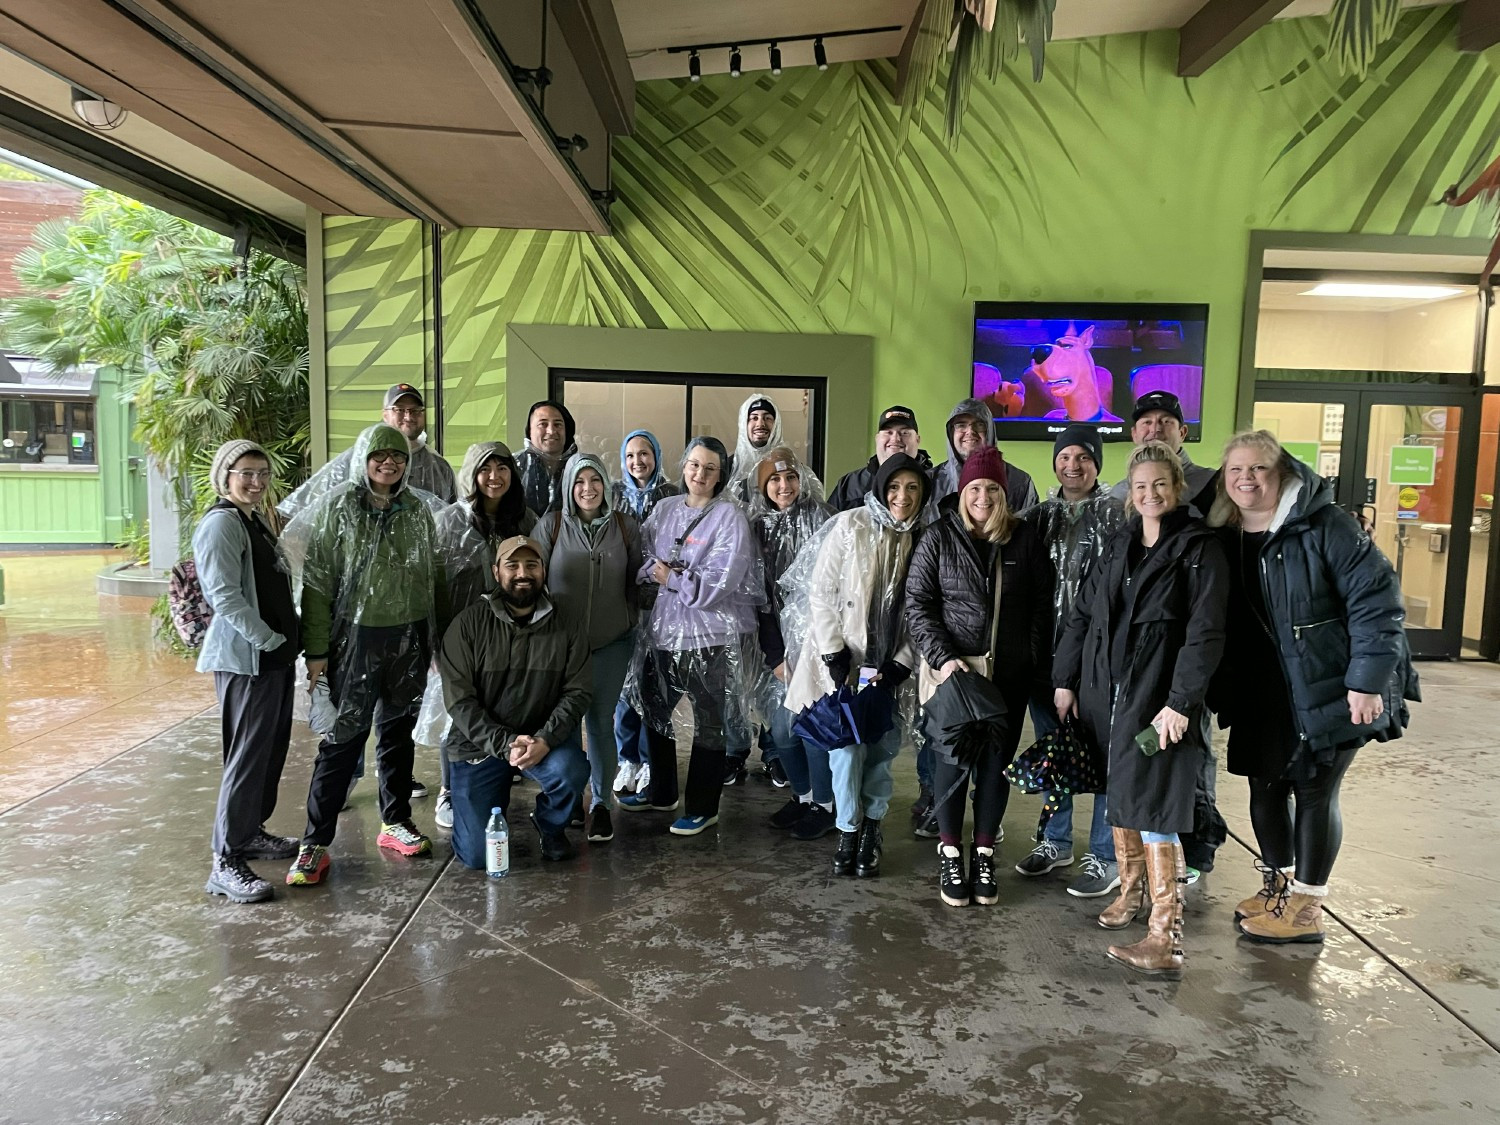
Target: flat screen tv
(1040, 365)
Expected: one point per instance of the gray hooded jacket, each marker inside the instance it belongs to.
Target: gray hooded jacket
(1020, 490)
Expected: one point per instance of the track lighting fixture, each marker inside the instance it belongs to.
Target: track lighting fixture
(820, 55)
(569, 145)
(695, 68)
(775, 60)
(735, 63)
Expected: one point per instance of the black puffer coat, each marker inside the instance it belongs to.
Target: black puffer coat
(1133, 647)
(1336, 615)
(950, 600)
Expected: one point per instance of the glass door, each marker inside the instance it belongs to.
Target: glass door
(1395, 456)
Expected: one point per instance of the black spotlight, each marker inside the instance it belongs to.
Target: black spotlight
(735, 63)
(695, 68)
(820, 56)
(775, 60)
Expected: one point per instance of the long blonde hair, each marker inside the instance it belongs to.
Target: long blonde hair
(996, 529)
(1154, 453)
(1225, 512)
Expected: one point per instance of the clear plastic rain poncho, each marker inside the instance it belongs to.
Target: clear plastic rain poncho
(780, 535)
(371, 590)
(700, 637)
(1075, 533)
(467, 535)
(425, 470)
(747, 455)
(847, 590)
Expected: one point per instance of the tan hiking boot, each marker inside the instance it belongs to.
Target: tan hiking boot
(1296, 918)
(1159, 953)
(1130, 855)
(1257, 904)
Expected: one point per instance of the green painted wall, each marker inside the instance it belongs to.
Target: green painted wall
(793, 205)
(57, 506)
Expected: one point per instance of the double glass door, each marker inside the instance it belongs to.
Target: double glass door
(1395, 456)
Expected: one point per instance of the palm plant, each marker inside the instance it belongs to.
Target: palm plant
(1357, 28)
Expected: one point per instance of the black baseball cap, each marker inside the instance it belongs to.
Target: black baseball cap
(402, 390)
(893, 416)
(1158, 400)
(762, 404)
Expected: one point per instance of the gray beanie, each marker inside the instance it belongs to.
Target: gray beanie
(230, 452)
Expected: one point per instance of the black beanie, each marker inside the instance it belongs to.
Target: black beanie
(1079, 434)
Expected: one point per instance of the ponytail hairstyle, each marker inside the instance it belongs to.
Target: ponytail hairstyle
(1154, 453)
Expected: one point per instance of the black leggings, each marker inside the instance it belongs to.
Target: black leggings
(1312, 836)
(991, 795)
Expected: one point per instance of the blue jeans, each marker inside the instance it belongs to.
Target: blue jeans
(1060, 828)
(807, 767)
(630, 734)
(926, 763)
(1160, 838)
(477, 787)
(862, 780)
(610, 663)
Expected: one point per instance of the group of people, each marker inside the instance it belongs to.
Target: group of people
(555, 618)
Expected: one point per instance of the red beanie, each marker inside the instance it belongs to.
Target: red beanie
(983, 464)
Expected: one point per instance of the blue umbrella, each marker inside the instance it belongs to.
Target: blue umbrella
(845, 717)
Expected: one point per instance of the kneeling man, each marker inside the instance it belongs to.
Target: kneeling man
(516, 678)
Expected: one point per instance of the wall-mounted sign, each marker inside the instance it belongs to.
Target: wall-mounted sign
(1408, 497)
(1413, 464)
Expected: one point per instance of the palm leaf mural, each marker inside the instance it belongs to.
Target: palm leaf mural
(1357, 28)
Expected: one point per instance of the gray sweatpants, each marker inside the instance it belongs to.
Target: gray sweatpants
(255, 713)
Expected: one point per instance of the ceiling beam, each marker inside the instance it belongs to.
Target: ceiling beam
(1478, 25)
(1218, 28)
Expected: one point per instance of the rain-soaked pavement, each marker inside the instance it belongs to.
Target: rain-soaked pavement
(724, 978)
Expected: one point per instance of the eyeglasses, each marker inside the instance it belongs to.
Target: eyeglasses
(408, 411)
(252, 476)
(388, 458)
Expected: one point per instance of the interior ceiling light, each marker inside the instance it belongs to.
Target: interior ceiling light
(775, 60)
(735, 63)
(820, 55)
(96, 112)
(695, 68)
(1391, 290)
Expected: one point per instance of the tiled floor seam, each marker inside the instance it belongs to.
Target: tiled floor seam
(62, 727)
(333, 1026)
(1405, 973)
(112, 758)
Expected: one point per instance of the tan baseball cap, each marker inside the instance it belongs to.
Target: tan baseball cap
(516, 543)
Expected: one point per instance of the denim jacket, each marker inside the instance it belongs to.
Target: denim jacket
(237, 635)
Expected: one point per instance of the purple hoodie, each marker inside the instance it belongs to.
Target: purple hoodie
(713, 600)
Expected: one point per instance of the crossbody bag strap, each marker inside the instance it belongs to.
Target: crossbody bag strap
(995, 613)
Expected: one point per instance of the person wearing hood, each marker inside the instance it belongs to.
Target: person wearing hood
(642, 485)
(759, 432)
(405, 411)
(490, 509)
(551, 438)
(785, 514)
(251, 648)
(896, 432)
(971, 427)
(1075, 522)
(699, 555)
(1134, 663)
(856, 631)
(1316, 664)
(592, 554)
(372, 587)
(978, 598)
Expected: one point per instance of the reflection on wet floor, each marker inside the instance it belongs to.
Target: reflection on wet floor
(722, 978)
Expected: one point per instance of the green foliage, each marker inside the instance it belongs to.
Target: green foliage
(1357, 28)
(137, 540)
(165, 633)
(213, 347)
(11, 172)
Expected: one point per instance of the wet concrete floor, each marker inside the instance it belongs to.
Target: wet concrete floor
(726, 978)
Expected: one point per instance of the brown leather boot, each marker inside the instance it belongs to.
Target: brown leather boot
(1130, 855)
(1258, 903)
(1159, 953)
(1294, 918)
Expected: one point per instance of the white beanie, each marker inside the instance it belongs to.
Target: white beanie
(230, 452)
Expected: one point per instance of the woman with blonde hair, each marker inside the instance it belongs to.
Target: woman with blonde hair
(1134, 662)
(979, 595)
(1316, 624)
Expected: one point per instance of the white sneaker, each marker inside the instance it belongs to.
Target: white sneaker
(625, 779)
(643, 777)
(443, 814)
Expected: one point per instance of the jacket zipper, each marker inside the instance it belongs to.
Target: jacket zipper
(1265, 585)
(1297, 629)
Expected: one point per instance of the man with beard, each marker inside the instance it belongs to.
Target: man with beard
(550, 441)
(517, 681)
(895, 433)
(970, 428)
(759, 433)
(1158, 417)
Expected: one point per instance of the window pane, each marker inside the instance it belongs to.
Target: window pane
(716, 411)
(606, 412)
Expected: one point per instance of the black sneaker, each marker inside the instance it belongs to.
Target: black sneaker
(843, 859)
(927, 827)
(263, 845)
(231, 877)
(816, 823)
(555, 846)
(789, 814)
(601, 828)
(952, 885)
(418, 789)
(982, 876)
(777, 773)
(867, 864)
(735, 772)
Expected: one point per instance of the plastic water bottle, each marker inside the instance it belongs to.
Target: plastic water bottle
(497, 846)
